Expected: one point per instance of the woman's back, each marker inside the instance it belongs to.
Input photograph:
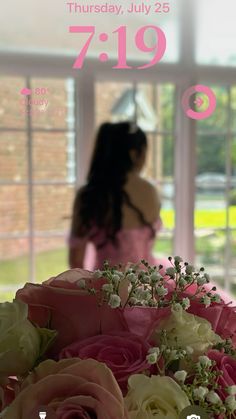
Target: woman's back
(134, 241)
(117, 210)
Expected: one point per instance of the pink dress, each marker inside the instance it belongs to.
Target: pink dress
(133, 245)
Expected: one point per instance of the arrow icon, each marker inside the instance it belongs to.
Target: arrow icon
(199, 102)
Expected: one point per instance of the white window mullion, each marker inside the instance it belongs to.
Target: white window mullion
(30, 193)
(185, 169)
(84, 125)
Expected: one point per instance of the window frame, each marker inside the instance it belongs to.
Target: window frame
(184, 73)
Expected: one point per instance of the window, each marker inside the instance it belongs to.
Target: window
(152, 107)
(37, 179)
(215, 204)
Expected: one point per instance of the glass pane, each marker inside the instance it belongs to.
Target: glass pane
(216, 32)
(52, 104)
(51, 257)
(14, 266)
(233, 111)
(211, 151)
(54, 156)
(160, 158)
(210, 248)
(114, 102)
(13, 156)
(13, 209)
(11, 115)
(164, 244)
(52, 207)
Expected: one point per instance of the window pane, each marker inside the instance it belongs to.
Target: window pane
(210, 248)
(51, 257)
(53, 106)
(13, 156)
(11, 115)
(114, 102)
(233, 111)
(164, 244)
(216, 32)
(13, 209)
(52, 207)
(54, 156)
(14, 266)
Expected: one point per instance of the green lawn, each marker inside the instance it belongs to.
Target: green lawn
(204, 218)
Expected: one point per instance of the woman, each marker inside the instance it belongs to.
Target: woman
(117, 210)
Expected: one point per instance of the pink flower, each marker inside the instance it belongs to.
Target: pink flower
(70, 388)
(124, 354)
(227, 366)
(62, 305)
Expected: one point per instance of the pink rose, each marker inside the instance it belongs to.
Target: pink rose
(227, 366)
(62, 305)
(71, 388)
(124, 354)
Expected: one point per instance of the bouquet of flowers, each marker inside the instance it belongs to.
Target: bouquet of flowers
(138, 342)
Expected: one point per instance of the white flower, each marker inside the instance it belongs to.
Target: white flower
(216, 298)
(207, 277)
(189, 269)
(20, 342)
(206, 300)
(161, 291)
(232, 390)
(186, 303)
(154, 397)
(182, 282)
(200, 393)
(97, 274)
(178, 259)
(114, 301)
(155, 277)
(231, 403)
(213, 397)
(201, 281)
(81, 283)
(132, 278)
(152, 358)
(189, 350)
(204, 361)
(170, 272)
(107, 288)
(184, 329)
(133, 301)
(181, 376)
(116, 279)
(155, 350)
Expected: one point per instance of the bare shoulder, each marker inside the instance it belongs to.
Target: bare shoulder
(145, 196)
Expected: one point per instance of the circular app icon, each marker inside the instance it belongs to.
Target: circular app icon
(203, 95)
(193, 412)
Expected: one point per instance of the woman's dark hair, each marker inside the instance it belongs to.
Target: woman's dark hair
(99, 202)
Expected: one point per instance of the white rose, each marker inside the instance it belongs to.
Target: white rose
(154, 397)
(21, 344)
(186, 330)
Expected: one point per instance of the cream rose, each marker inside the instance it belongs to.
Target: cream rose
(154, 397)
(70, 388)
(186, 330)
(21, 344)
